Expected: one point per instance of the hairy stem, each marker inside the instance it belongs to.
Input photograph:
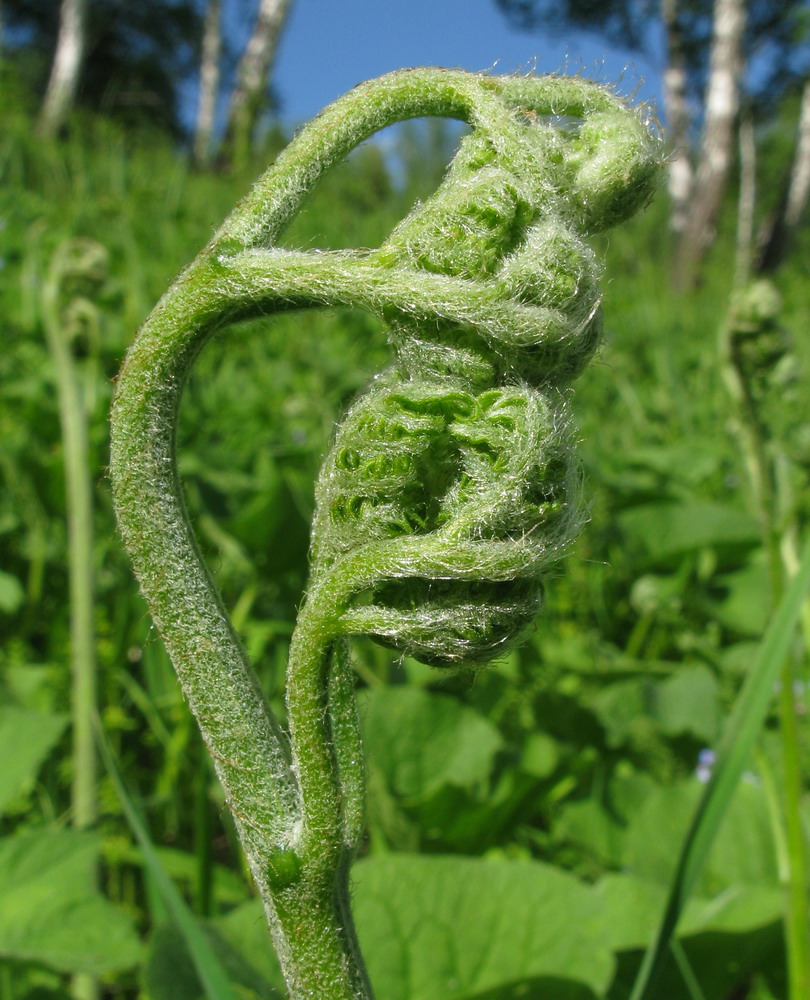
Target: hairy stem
(485, 336)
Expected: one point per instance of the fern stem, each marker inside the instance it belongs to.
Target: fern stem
(79, 508)
(520, 319)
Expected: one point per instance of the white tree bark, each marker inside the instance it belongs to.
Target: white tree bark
(777, 233)
(717, 140)
(253, 72)
(799, 189)
(676, 110)
(67, 62)
(209, 82)
(746, 203)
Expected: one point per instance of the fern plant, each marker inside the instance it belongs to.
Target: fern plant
(450, 486)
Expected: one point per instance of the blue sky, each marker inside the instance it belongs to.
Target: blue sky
(331, 45)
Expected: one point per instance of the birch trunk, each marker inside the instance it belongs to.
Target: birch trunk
(253, 74)
(209, 83)
(717, 139)
(746, 203)
(799, 189)
(679, 178)
(778, 233)
(67, 63)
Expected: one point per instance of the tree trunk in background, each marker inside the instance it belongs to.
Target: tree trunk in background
(799, 189)
(746, 203)
(209, 83)
(253, 74)
(776, 238)
(717, 139)
(679, 179)
(67, 63)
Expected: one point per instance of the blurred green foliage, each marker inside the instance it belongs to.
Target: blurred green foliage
(522, 826)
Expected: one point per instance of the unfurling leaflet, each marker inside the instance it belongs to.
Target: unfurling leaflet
(450, 486)
(463, 442)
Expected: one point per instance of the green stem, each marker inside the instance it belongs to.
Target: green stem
(773, 801)
(733, 754)
(79, 503)
(797, 922)
(297, 801)
(686, 971)
(79, 506)
(752, 436)
(789, 546)
(202, 840)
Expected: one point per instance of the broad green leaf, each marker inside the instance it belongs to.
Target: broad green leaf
(591, 826)
(26, 738)
(457, 821)
(742, 853)
(724, 940)
(661, 471)
(737, 910)
(51, 912)
(245, 930)
(621, 709)
(241, 942)
(737, 658)
(540, 756)
(446, 928)
(690, 462)
(688, 702)
(634, 903)
(670, 529)
(11, 593)
(30, 685)
(422, 741)
(629, 791)
(744, 607)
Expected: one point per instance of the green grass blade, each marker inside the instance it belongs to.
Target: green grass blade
(213, 977)
(733, 754)
(686, 971)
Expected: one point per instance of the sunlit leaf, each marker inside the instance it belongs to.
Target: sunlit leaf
(51, 912)
(26, 738)
(670, 529)
(422, 741)
(446, 928)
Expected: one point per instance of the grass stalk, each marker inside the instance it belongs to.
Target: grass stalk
(686, 971)
(770, 504)
(202, 840)
(79, 508)
(734, 752)
(797, 921)
(213, 978)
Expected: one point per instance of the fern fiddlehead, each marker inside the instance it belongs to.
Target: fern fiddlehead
(449, 487)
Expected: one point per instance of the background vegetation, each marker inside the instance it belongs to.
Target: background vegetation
(564, 778)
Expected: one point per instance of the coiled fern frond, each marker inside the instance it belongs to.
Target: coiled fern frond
(450, 486)
(457, 464)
